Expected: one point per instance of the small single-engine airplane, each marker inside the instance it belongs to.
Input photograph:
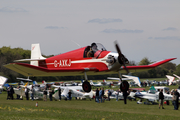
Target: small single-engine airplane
(89, 60)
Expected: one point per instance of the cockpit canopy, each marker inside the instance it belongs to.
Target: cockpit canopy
(93, 49)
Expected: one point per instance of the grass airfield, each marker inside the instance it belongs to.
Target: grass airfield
(82, 110)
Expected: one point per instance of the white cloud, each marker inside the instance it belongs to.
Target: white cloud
(122, 31)
(166, 38)
(104, 20)
(170, 29)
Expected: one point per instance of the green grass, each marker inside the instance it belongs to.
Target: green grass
(82, 110)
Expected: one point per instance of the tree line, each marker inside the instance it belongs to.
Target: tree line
(8, 55)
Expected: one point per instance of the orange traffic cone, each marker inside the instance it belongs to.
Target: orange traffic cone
(36, 104)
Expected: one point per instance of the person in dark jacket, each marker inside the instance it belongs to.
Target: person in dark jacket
(11, 92)
(59, 92)
(69, 94)
(177, 99)
(161, 98)
(97, 95)
(125, 94)
(102, 94)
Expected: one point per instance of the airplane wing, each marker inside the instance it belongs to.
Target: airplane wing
(145, 67)
(32, 70)
(144, 96)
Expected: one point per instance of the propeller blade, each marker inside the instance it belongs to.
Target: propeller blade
(121, 58)
(117, 48)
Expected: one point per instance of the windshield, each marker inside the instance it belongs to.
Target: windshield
(98, 46)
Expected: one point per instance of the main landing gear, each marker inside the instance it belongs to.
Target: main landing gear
(86, 86)
(124, 86)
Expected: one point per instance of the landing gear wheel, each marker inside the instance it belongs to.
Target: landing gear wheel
(86, 86)
(124, 86)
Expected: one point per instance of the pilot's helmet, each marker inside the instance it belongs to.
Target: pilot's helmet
(93, 44)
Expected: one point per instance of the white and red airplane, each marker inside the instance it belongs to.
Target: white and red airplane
(89, 60)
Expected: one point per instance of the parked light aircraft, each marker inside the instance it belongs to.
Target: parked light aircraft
(153, 95)
(89, 60)
(75, 90)
(3, 80)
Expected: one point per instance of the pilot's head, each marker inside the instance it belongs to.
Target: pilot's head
(94, 46)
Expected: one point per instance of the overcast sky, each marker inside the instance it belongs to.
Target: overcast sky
(143, 28)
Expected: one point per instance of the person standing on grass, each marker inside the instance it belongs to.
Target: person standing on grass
(59, 92)
(32, 93)
(100, 94)
(26, 93)
(69, 93)
(45, 94)
(161, 98)
(50, 94)
(125, 94)
(177, 99)
(117, 94)
(97, 95)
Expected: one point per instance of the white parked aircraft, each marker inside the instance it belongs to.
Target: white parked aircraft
(3, 80)
(76, 91)
(153, 95)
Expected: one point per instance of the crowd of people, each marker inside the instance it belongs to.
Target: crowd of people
(99, 95)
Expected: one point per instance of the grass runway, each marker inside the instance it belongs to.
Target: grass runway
(82, 110)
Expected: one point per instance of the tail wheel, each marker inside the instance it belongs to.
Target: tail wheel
(124, 86)
(86, 86)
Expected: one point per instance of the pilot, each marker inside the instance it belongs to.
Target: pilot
(92, 50)
(94, 47)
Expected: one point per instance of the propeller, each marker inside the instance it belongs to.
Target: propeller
(121, 58)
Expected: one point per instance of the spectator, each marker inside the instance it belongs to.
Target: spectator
(117, 94)
(161, 98)
(109, 94)
(50, 94)
(69, 93)
(59, 92)
(32, 93)
(177, 99)
(11, 92)
(8, 93)
(45, 94)
(100, 94)
(97, 95)
(26, 93)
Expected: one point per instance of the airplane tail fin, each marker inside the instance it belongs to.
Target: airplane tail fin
(170, 78)
(2, 80)
(35, 54)
(26, 84)
(91, 82)
(35, 83)
(135, 79)
(22, 83)
(44, 82)
(65, 92)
